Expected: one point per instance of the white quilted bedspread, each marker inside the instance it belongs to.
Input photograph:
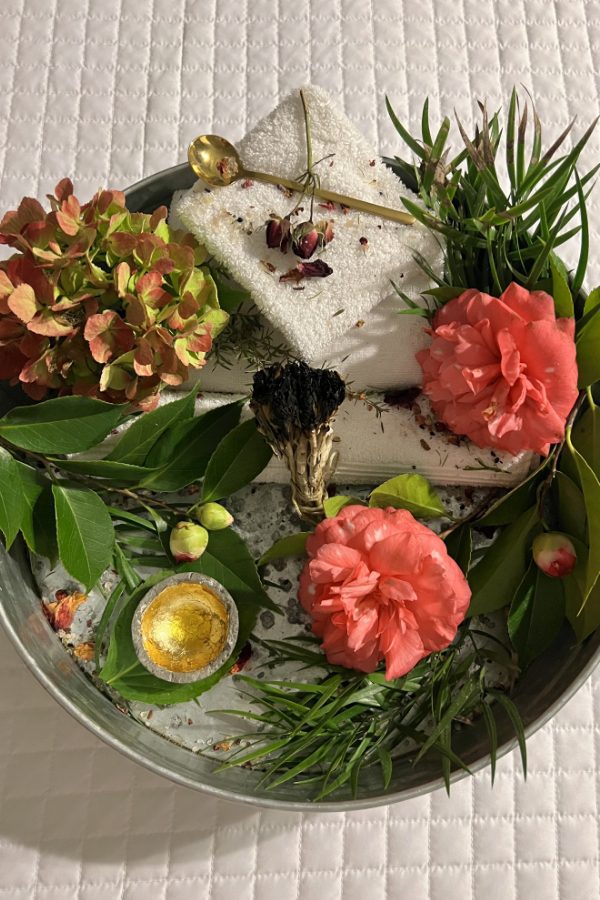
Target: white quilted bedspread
(110, 90)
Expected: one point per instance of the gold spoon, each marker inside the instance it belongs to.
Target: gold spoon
(218, 163)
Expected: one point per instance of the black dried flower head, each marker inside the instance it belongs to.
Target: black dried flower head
(295, 396)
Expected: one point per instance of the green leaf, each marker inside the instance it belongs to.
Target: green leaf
(385, 761)
(236, 461)
(291, 545)
(497, 575)
(459, 544)
(468, 691)
(123, 671)
(416, 148)
(586, 437)
(181, 458)
(63, 425)
(516, 501)
(584, 240)
(513, 714)
(105, 618)
(536, 614)
(228, 560)
(38, 524)
(231, 295)
(571, 507)
(444, 293)
(490, 725)
(561, 292)
(588, 358)
(411, 492)
(333, 505)
(116, 472)
(590, 487)
(584, 618)
(12, 505)
(141, 436)
(592, 301)
(85, 533)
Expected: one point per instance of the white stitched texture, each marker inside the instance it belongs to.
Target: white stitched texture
(113, 90)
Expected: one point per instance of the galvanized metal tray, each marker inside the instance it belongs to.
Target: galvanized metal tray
(549, 684)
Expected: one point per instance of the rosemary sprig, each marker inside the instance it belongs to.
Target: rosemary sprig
(248, 338)
(495, 232)
(323, 733)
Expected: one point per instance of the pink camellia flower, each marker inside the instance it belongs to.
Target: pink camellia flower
(378, 584)
(502, 371)
(554, 554)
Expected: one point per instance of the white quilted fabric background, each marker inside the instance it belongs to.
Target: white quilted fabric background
(108, 91)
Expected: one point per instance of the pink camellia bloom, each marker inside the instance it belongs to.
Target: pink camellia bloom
(554, 554)
(379, 585)
(502, 371)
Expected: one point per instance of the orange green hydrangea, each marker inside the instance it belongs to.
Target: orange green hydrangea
(101, 301)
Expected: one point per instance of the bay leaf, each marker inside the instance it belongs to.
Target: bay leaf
(236, 461)
(61, 425)
(85, 533)
(498, 573)
(12, 505)
(411, 492)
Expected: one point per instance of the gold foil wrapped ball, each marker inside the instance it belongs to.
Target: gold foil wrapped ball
(185, 628)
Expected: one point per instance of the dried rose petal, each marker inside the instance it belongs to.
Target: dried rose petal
(316, 269)
(242, 660)
(85, 651)
(61, 612)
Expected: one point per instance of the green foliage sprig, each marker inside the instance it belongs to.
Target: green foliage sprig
(321, 734)
(496, 233)
(66, 508)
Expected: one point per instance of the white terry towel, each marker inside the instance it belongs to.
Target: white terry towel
(322, 322)
(379, 356)
(409, 442)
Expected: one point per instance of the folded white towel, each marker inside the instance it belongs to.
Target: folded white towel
(322, 321)
(373, 449)
(408, 442)
(380, 356)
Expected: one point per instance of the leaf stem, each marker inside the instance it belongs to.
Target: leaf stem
(89, 482)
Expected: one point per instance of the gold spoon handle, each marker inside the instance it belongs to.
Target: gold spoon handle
(373, 209)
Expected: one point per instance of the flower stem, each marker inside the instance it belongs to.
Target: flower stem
(309, 153)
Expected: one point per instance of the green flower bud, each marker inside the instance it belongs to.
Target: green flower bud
(214, 516)
(188, 541)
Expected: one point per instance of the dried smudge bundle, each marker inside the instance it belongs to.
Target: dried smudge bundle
(294, 406)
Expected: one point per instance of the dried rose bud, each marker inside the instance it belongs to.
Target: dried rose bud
(214, 516)
(306, 239)
(325, 229)
(188, 541)
(554, 554)
(278, 233)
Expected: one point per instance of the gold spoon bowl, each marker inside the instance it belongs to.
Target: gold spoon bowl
(218, 163)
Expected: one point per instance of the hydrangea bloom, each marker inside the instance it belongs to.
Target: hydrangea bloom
(101, 301)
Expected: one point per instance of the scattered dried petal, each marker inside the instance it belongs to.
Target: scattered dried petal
(316, 269)
(85, 651)
(242, 660)
(61, 612)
